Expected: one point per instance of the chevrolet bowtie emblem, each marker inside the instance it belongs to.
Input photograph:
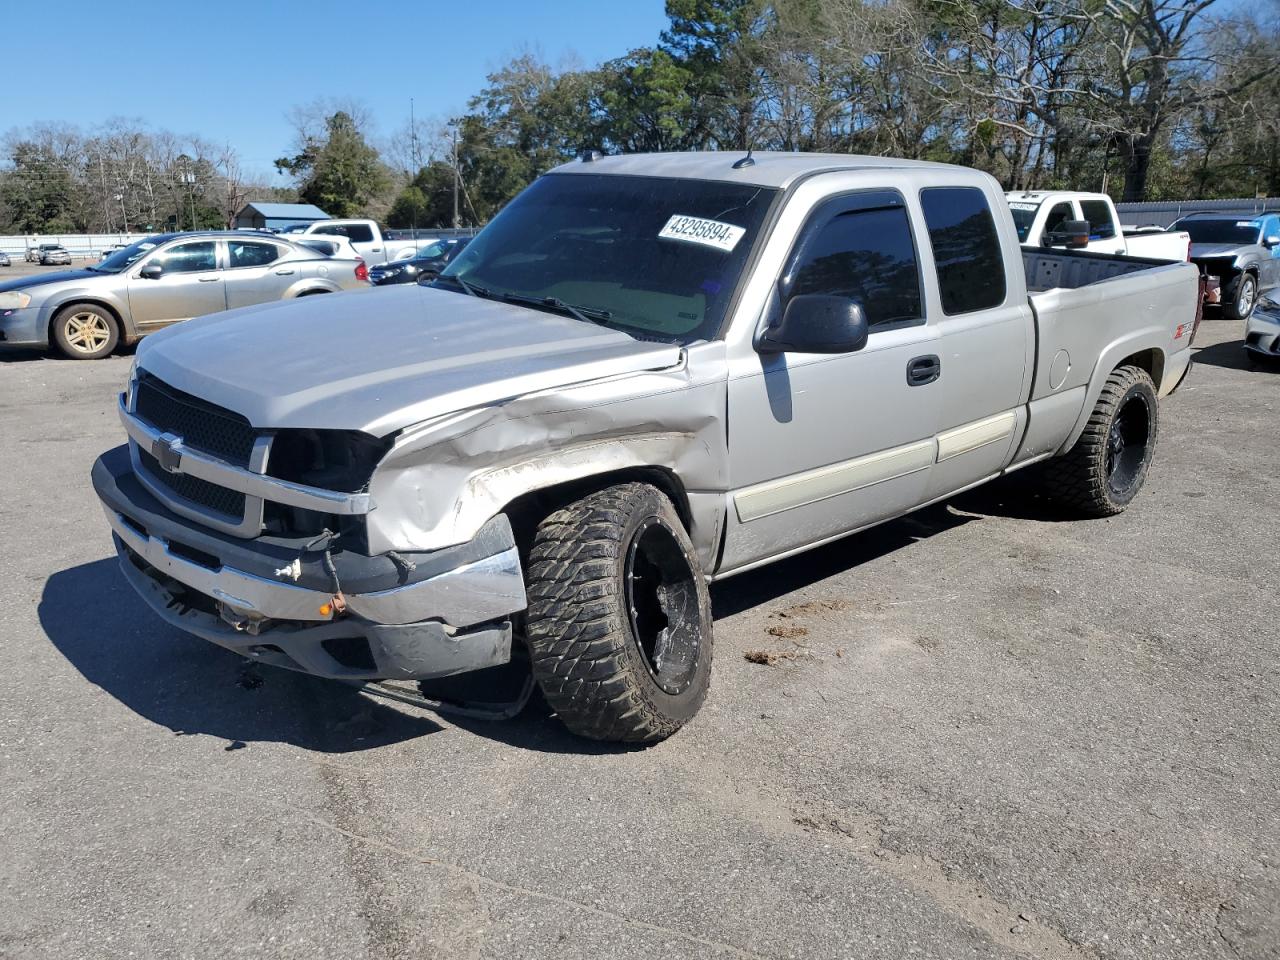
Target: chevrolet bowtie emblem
(167, 449)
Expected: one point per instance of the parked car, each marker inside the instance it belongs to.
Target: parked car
(649, 372)
(109, 250)
(367, 236)
(426, 265)
(1243, 253)
(33, 253)
(1262, 332)
(4, 259)
(53, 254)
(159, 281)
(1040, 216)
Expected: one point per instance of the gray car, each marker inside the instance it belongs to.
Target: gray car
(54, 255)
(161, 280)
(1243, 252)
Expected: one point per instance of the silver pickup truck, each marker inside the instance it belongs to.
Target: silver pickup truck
(647, 373)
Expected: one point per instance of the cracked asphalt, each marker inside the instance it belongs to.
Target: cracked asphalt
(980, 731)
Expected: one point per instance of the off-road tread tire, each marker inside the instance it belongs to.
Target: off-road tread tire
(1078, 479)
(582, 652)
(59, 333)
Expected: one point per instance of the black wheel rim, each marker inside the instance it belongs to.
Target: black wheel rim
(1127, 443)
(662, 604)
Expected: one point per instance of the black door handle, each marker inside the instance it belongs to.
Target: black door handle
(922, 370)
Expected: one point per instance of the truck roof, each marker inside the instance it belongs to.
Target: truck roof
(1031, 195)
(769, 169)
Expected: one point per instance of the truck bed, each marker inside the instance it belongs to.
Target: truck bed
(1071, 269)
(1091, 307)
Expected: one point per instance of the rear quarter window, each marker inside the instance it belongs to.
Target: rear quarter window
(966, 248)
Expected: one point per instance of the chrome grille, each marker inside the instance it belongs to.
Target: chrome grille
(202, 426)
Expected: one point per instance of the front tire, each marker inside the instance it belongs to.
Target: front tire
(619, 618)
(1244, 297)
(1104, 470)
(85, 331)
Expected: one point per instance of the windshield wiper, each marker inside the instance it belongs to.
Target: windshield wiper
(585, 314)
(470, 288)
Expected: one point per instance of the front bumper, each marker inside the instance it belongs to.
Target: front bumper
(273, 600)
(1262, 334)
(22, 327)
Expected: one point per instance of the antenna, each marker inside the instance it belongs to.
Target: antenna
(743, 162)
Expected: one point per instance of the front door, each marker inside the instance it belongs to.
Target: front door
(821, 444)
(190, 286)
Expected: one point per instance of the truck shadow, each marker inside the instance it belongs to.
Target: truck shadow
(1229, 354)
(193, 687)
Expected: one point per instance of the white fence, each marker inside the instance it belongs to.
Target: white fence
(77, 244)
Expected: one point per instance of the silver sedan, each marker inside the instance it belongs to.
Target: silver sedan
(161, 280)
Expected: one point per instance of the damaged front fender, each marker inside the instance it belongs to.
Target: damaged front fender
(442, 480)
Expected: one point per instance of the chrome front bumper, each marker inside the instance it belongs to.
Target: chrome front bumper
(454, 616)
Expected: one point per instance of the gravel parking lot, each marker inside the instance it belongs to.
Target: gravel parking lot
(980, 731)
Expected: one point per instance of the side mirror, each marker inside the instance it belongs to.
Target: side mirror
(817, 323)
(1073, 234)
(151, 271)
(426, 276)
(1271, 241)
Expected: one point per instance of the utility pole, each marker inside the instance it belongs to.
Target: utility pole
(456, 177)
(124, 217)
(416, 160)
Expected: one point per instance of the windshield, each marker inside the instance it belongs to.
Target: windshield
(653, 256)
(431, 251)
(122, 258)
(1220, 231)
(1024, 214)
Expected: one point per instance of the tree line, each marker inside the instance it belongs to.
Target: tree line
(1145, 99)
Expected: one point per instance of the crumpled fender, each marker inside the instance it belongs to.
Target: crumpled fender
(443, 479)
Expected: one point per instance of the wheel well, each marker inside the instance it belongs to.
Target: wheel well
(1151, 361)
(311, 293)
(528, 510)
(91, 301)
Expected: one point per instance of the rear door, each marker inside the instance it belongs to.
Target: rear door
(1271, 266)
(257, 271)
(1104, 232)
(190, 286)
(985, 338)
(367, 242)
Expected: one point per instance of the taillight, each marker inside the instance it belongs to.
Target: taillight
(362, 271)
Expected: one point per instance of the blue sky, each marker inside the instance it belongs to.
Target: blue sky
(231, 70)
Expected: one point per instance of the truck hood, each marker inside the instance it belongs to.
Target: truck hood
(379, 361)
(40, 279)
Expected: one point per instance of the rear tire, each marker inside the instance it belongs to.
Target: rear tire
(1102, 473)
(619, 619)
(85, 331)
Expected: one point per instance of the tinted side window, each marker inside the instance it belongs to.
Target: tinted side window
(252, 254)
(868, 256)
(359, 233)
(1060, 213)
(191, 257)
(966, 249)
(1099, 217)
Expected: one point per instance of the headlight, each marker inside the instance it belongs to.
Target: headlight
(14, 300)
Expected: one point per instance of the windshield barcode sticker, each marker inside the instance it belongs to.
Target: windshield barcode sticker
(709, 233)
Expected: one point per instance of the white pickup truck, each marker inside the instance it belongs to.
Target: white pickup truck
(367, 237)
(1043, 216)
(646, 373)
